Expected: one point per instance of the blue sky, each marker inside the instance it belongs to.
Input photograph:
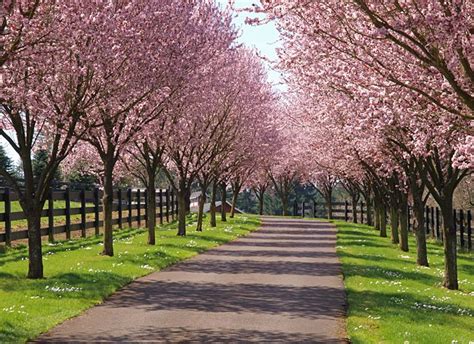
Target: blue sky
(264, 38)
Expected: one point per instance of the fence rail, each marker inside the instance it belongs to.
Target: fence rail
(81, 210)
(433, 219)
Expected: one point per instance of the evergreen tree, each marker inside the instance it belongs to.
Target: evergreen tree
(6, 162)
(40, 161)
(82, 180)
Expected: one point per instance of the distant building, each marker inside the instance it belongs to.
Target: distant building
(207, 206)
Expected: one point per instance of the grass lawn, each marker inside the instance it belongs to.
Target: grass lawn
(78, 277)
(392, 300)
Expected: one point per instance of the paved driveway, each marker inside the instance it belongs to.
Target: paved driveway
(282, 283)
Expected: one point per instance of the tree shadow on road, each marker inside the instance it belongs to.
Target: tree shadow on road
(307, 302)
(187, 335)
(261, 267)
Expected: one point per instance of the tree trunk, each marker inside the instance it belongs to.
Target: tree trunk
(449, 243)
(188, 200)
(329, 208)
(403, 217)
(284, 203)
(394, 220)
(354, 201)
(235, 195)
(260, 205)
(213, 205)
(368, 203)
(223, 202)
(377, 217)
(201, 202)
(107, 204)
(35, 266)
(181, 195)
(420, 234)
(151, 207)
(383, 221)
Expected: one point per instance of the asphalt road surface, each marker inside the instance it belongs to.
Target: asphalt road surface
(282, 283)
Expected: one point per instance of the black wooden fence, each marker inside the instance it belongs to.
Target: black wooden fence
(340, 210)
(433, 218)
(81, 210)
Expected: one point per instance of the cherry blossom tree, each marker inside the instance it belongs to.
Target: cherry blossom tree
(260, 182)
(223, 116)
(198, 53)
(416, 44)
(325, 182)
(49, 82)
(137, 94)
(388, 73)
(152, 79)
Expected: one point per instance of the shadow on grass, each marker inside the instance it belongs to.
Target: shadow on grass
(401, 305)
(383, 273)
(465, 268)
(373, 257)
(17, 254)
(366, 243)
(10, 331)
(72, 285)
(358, 234)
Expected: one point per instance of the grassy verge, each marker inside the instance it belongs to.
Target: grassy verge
(78, 277)
(392, 300)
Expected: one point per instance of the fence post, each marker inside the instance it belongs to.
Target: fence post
(362, 212)
(167, 200)
(96, 211)
(176, 204)
(67, 197)
(120, 208)
(167, 195)
(461, 226)
(173, 203)
(138, 208)
(469, 230)
(50, 216)
(346, 210)
(8, 222)
(83, 213)
(437, 223)
(160, 194)
(145, 195)
(129, 201)
(303, 209)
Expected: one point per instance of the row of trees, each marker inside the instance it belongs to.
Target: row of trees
(382, 100)
(131, 88)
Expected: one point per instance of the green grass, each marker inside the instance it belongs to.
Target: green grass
(392, 300)
(78, 277)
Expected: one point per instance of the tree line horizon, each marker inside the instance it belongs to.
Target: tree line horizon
(380, 99)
